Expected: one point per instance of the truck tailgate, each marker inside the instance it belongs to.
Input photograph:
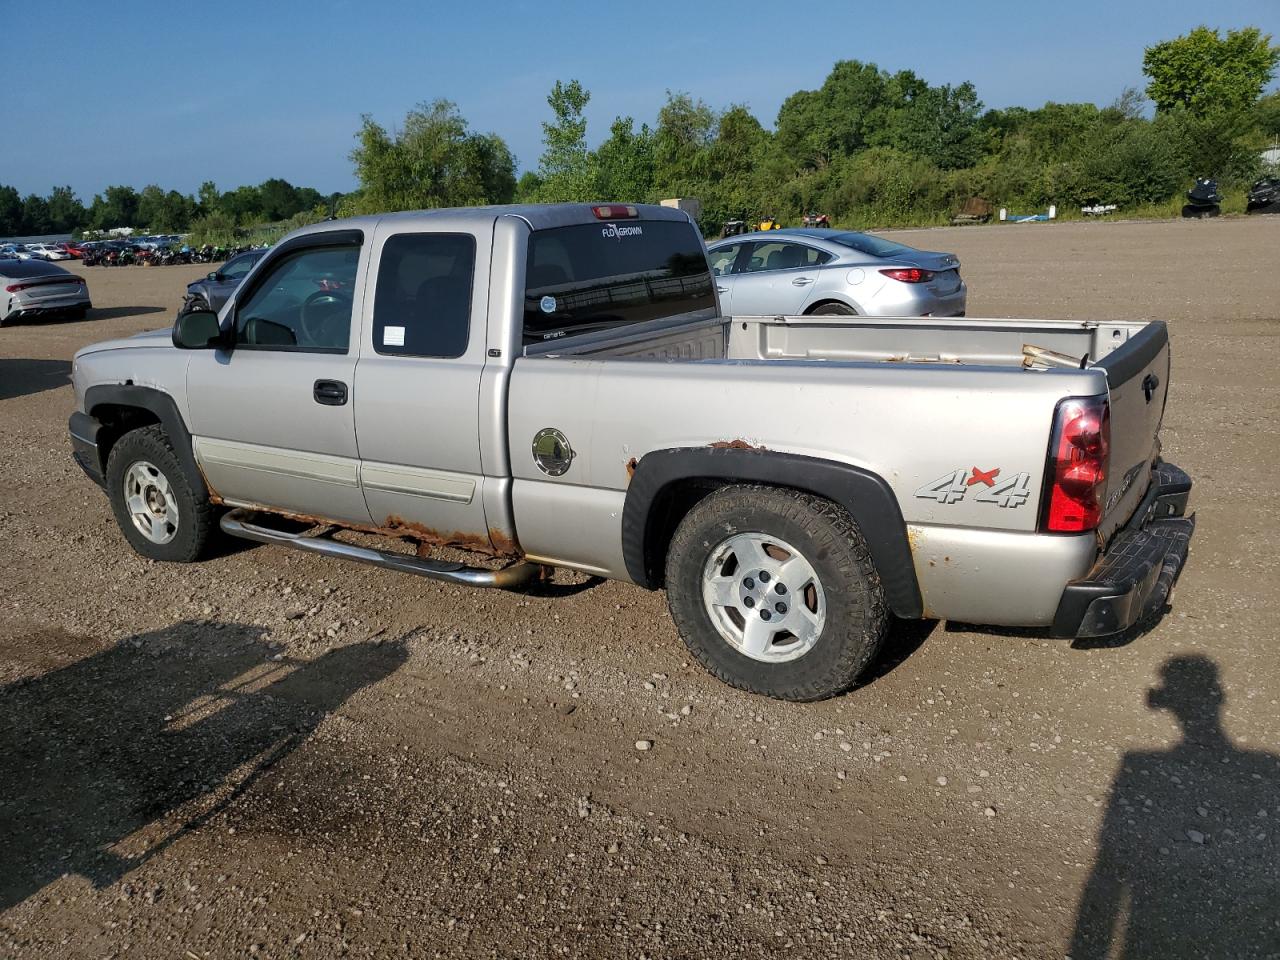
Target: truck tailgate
(1137, 382)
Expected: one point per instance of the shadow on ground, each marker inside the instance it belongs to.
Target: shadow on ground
(1188, 858)
(111, 313)
(109, 760)
(21, 377)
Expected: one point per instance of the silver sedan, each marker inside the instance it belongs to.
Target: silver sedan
(798, 271)
(37, 288)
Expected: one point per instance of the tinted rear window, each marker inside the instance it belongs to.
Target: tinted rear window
(598, 276)
(871, 246)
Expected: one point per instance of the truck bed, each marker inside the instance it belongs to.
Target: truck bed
(985, 342)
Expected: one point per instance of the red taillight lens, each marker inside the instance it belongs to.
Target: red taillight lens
(908, 274)
(1077, 469)
(615, 211)
(17, 287)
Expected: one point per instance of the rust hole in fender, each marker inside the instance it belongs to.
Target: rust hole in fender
(738, 444)
(631, 467)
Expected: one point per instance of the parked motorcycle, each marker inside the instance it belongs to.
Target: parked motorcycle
(770, 223)
(818, 220)
(1264, 196)
(1203, 200)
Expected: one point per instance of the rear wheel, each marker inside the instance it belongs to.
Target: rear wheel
(833, 309)
(774, 592)
(160, 511)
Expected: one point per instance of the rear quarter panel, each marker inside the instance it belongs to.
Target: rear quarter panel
(928, 430)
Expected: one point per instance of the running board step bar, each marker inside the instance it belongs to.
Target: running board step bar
(241, 523)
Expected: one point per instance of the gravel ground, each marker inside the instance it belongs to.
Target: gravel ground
(270, 754)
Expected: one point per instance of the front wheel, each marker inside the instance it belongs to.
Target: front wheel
(160, 511)
(774, 592)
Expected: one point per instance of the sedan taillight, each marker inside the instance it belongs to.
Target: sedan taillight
(908, 274)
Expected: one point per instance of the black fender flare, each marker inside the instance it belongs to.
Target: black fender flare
(866, 496)
(156, 402)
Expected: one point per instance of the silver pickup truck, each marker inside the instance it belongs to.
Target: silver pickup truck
(555, 386)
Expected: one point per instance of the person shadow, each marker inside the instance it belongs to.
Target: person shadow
(1188, 860)
(113, 758)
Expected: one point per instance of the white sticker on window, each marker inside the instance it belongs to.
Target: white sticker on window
(393, 336)
(548, 304)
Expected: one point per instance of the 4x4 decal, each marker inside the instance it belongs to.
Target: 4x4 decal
(951, 488)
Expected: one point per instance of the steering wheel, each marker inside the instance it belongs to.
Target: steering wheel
(322, 315)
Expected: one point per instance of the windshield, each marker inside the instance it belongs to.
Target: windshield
(871, 246)
(597, 276)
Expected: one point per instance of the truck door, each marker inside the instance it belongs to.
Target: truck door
(418, 381)
(272, 419)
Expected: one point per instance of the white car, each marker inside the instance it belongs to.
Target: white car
(47, 251)
(32, 289)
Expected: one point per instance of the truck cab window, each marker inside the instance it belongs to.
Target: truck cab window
(302, 303)
(604, 276)
(423, 303)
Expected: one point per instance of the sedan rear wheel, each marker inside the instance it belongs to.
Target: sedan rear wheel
(833, 309)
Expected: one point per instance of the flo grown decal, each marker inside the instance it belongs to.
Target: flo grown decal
(615, 232)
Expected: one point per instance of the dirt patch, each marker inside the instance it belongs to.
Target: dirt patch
(276, 750)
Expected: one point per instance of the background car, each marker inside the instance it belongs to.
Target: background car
(37, 288)
(47, 251)
(797, 271)
(211, 292)
(17, 251)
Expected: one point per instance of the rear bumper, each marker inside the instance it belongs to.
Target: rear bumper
(1136, 574)
(84, 432)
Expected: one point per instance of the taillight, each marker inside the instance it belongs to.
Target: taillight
(1076, 473)
(18, 287)
(908, 274)
(615, 211)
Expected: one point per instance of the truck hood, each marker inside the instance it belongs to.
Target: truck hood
(150, 338)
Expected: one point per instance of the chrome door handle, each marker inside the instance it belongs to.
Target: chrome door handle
(801, 281)
(720, 289)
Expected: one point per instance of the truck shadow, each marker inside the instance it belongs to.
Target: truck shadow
(111, 759)
(1188, 861)
(18, 378)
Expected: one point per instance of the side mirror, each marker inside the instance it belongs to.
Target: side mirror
(211, 275)
(197, 330)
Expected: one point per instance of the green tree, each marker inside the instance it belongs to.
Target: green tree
(1206, 71)
(165, 212)
(208, 197)
(565, 169)
(435, 161)
(66, 212)
(685, 131)
(117, 206)
(35, 215)
(624, 163)
(10, 211)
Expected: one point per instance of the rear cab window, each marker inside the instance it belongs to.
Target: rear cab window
(604, 276)
(423, 303)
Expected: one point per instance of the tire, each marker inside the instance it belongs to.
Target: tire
(833, 309)
(840, 616)
(194, 304)
(177, 510)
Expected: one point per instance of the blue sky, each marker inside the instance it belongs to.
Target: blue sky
(236, 92)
